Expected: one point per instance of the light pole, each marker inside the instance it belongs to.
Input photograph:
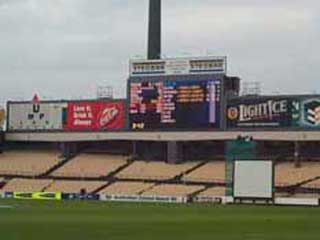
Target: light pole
(154, 38)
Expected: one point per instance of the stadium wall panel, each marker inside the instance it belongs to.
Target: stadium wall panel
(138, 198)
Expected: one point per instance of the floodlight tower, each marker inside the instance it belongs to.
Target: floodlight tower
(154, 38)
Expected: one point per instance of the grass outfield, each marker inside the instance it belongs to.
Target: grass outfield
(36, 220)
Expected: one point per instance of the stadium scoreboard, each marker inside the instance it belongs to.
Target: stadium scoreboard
(168, 95)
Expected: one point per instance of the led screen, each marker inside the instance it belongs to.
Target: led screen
(175, 104)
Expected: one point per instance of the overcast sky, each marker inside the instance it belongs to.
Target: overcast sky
(66, 48)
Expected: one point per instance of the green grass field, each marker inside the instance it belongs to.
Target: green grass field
(36, 220)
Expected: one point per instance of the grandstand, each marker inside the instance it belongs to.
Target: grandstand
(176, 190)
(287, 174)
(213, 192)
(26, 185)
(314, 184)
(114, 174)
(91, 165)
(210, 172)
(74, 186)
(127, 188)
(304, 195)
(154, 170)
(27, 163)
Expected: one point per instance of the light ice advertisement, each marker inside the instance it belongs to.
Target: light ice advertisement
(259, 113)
(291, 112)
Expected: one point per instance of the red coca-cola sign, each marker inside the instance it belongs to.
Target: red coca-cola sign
(87, 115)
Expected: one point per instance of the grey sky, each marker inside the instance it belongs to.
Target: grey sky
(65, 48)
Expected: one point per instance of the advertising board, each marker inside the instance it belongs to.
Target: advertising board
(177, 104)
(79, 196)
(95, 115)
(139, 198)
(178, 66)
(306, 113)
(35, 116)
(37, 195)
(269, 112)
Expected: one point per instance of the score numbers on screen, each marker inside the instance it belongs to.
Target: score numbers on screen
(174, 104)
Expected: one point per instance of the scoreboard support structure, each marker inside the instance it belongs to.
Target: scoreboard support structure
(69, 149)
(1, 141)
(297, 162)
(174, 153)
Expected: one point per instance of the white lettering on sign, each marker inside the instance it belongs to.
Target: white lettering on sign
(267, 110)
(175, 67)
(82, 115)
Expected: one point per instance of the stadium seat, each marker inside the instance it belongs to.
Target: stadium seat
(213, 192)
(210, 172)
(177, 190)
(313, 184)
(27, 163)
(74, 186)
(286, 174)
(26, 185)
(126, 188)
(154, 170)
(91, 165)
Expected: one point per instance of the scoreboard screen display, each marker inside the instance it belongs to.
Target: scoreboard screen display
(178, 104)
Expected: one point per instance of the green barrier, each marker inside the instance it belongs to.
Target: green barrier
(37, 196)
(237, 150)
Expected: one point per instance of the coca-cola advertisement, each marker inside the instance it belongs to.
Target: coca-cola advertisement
(95, 115)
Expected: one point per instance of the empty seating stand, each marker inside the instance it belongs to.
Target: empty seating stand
(210, 172)
(213, 192)
(26, 185)
(74, 186)
(90, 165)
(27, 163)
(286, 174)
(127, 188)
(154, 170)
(314, 184)
(177, 190)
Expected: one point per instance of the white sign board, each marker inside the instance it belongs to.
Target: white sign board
(178, 66)
(40, 116)
(253, 179)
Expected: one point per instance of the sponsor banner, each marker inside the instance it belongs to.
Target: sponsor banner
(100, 115)
(138, 198)
(78, 196)
(306, 113)
(8, 195)
(260, 113)
(297, 201)
(37, 196)
(217, 200)
(35, 116)
(179, 66)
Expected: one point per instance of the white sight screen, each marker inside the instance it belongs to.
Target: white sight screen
(253, 179)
